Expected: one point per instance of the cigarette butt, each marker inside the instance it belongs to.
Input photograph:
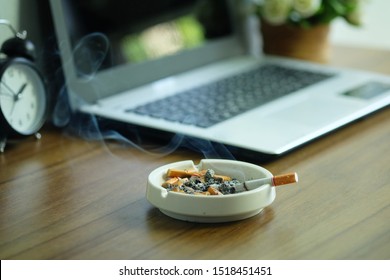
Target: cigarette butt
(222, 177)
(170, 182)
(180, 172)
(277, 180)
(284, 179)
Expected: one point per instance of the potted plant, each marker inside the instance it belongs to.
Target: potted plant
(300, 28)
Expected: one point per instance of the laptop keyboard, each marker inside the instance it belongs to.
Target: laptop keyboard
(213, 103)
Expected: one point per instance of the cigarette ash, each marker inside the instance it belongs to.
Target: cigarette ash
(204, 182)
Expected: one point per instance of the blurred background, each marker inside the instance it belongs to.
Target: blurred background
(373, 34)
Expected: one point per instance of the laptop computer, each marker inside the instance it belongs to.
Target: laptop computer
(195, 68)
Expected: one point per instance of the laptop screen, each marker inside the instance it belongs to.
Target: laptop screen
(139, 31)
(125, 44)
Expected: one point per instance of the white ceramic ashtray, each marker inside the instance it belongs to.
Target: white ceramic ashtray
(196, 207)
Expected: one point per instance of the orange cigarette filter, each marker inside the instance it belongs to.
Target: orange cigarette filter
(284, 179)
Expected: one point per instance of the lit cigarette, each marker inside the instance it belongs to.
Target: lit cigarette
(278, 180)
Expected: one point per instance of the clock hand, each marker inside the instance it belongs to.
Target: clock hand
(16, 96)
(13, 107)
(22, 89)
(20, 92)
(10, 91)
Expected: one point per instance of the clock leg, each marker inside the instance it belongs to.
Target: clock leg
(3, 142)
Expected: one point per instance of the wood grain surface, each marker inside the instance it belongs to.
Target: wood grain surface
(67, 198)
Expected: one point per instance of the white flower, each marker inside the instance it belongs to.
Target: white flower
(308, 12)
(306, 8)
(276, 11)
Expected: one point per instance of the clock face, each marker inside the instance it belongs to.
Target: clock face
(22, 98)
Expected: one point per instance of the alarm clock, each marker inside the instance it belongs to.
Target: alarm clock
(23, 96)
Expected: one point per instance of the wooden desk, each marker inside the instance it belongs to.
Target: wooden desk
(66, 198)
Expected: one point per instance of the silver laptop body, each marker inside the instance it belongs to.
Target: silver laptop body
(105, 83)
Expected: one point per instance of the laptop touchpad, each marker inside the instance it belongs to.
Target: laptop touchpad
(313, 113)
